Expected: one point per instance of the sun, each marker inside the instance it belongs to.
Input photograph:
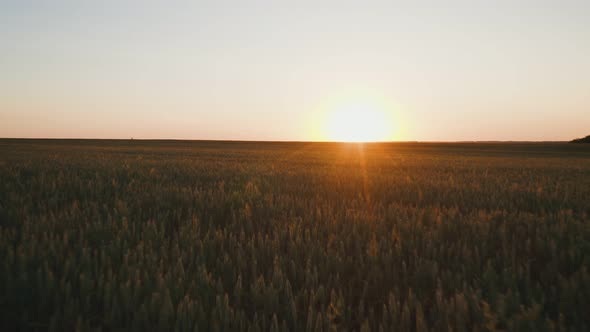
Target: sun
(358, 121)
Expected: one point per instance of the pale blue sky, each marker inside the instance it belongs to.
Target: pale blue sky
(449, 70)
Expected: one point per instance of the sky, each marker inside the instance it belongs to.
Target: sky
(272, 70)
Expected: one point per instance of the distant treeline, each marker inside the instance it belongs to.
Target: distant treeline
(582, 140)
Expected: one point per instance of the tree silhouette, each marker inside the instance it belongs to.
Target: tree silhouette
(582, 140)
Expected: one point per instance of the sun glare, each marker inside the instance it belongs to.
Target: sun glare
(358, 122)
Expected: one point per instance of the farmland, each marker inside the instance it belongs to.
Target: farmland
(250, 236)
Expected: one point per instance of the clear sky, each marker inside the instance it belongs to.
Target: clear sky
(272, 70)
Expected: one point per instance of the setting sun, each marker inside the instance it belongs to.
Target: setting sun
(358, 122)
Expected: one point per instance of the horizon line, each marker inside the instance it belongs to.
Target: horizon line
(274, 141)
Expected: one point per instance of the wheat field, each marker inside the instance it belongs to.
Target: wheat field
(248, 236)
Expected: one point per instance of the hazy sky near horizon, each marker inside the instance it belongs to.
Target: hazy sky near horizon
(265, 70)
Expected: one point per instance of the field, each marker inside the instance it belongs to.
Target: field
(239, 236)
